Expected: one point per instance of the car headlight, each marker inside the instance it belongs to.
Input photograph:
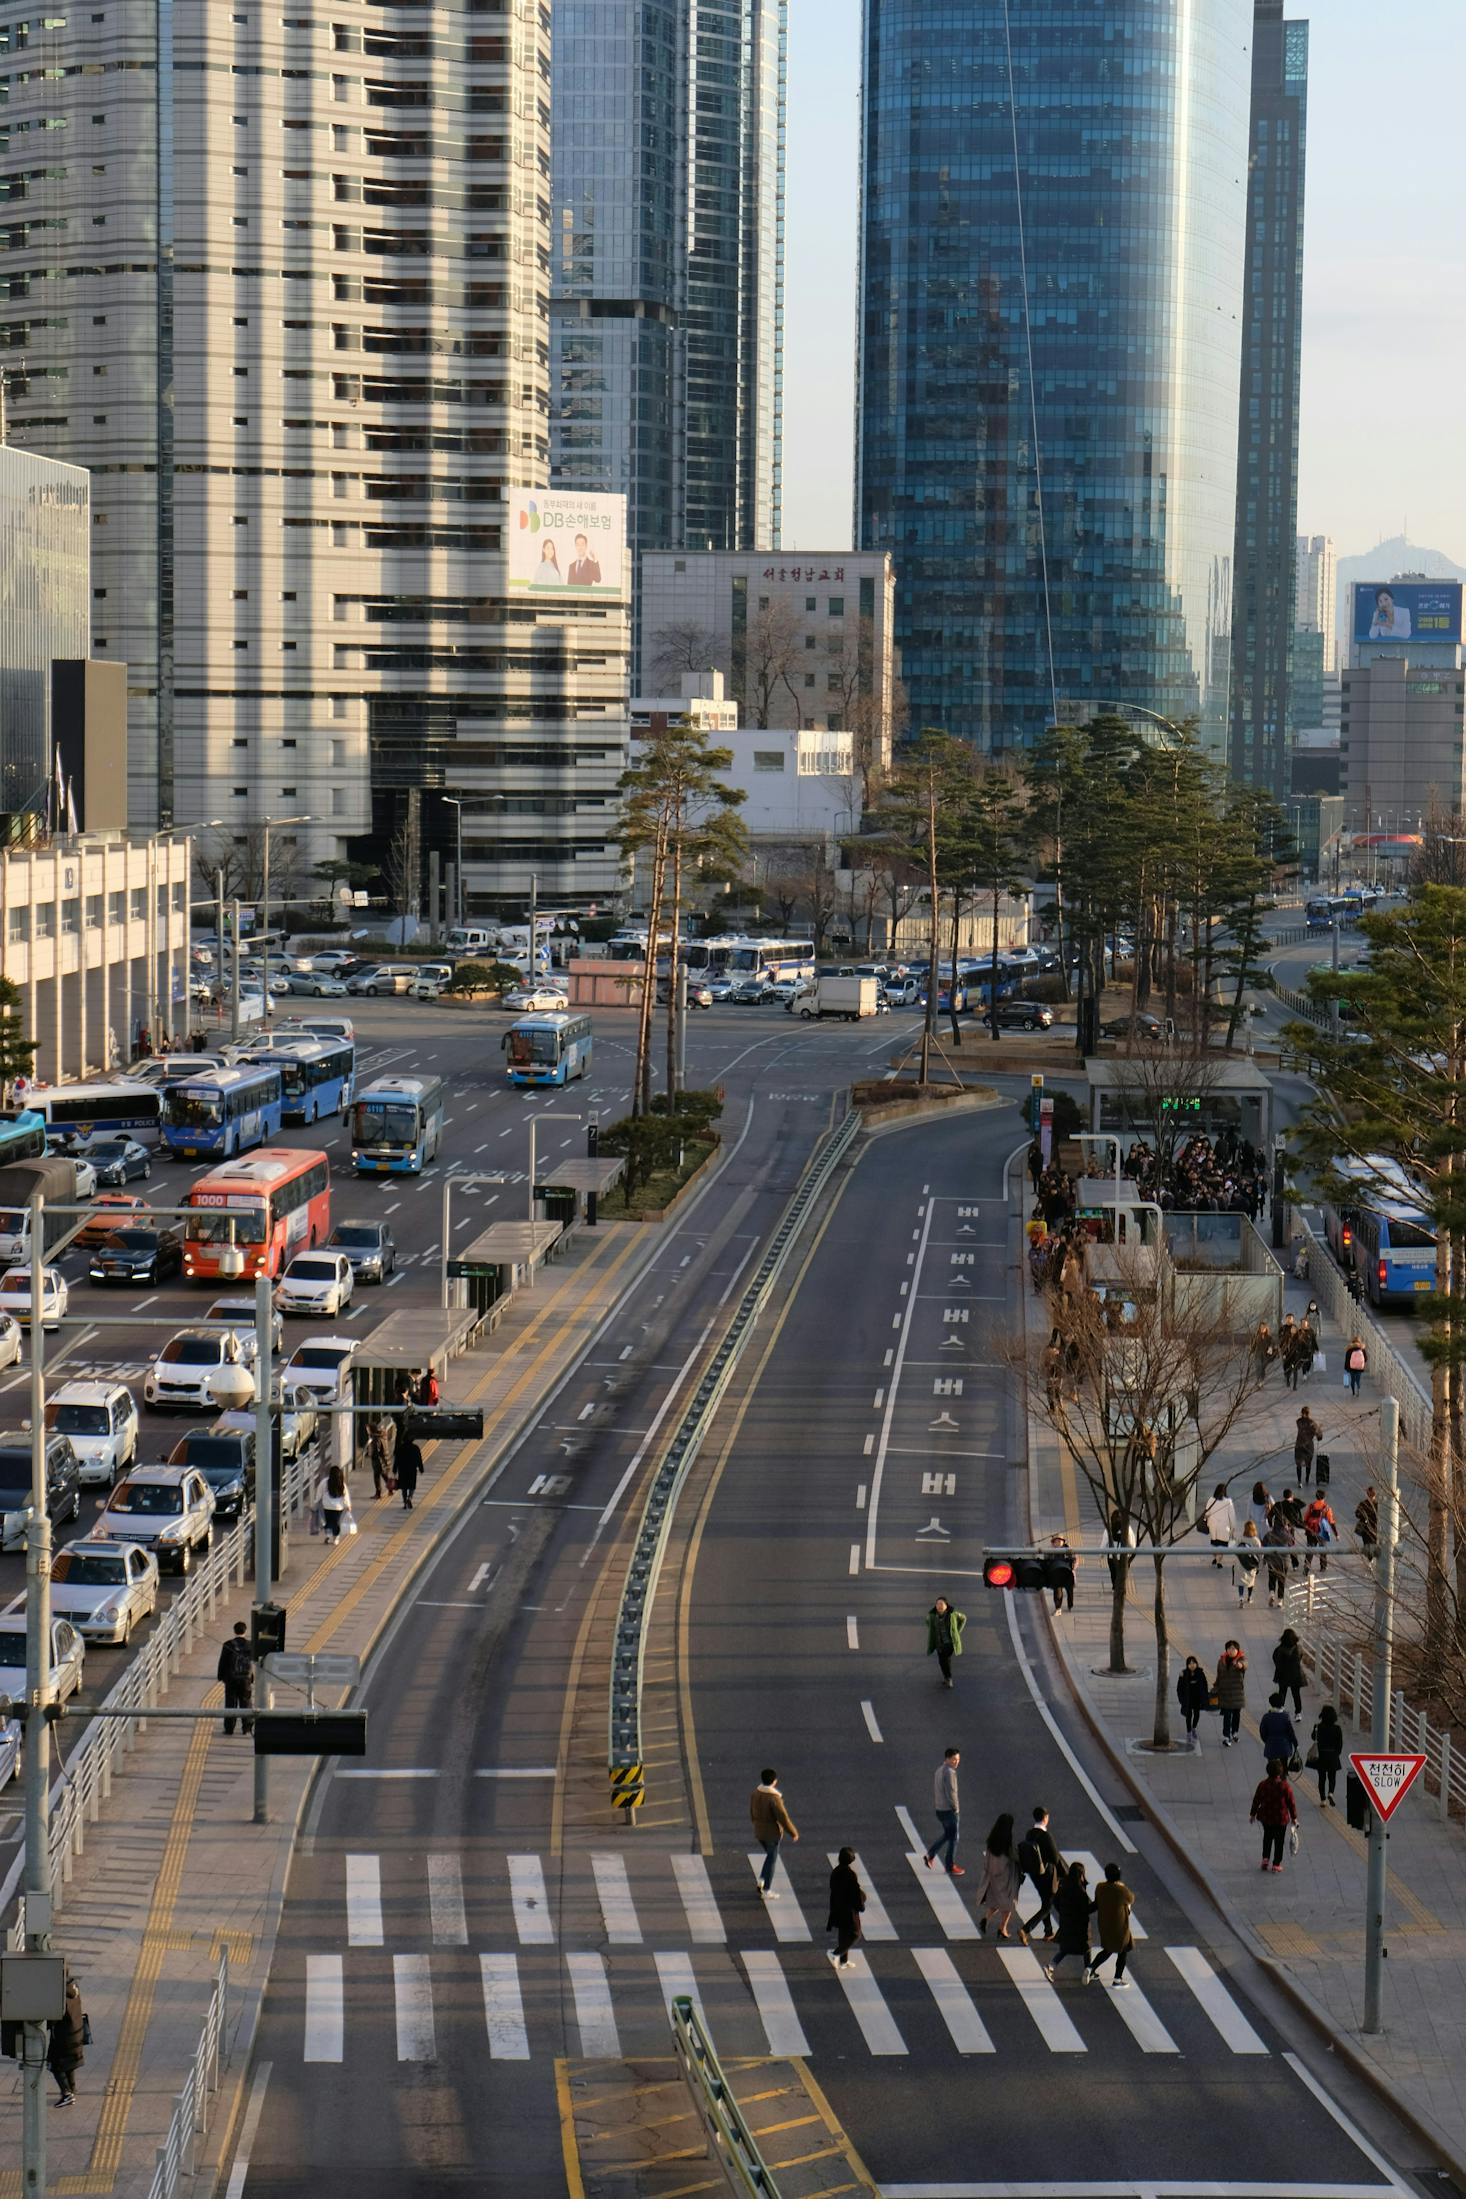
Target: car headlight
(108, 1613)
(173, 1533)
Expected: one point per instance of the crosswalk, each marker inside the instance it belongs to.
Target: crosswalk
(665, 1925)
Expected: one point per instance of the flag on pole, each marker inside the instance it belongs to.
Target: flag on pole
(71, 824)
(60, 803)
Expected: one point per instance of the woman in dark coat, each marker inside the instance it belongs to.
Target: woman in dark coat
(1192, 1692)
(1075, 1906)
(847, 1899)
(67, 2036)
(1288, 1671)
(407, 1465)
(1327, 1754)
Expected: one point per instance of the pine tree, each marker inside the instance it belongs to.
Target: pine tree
(17, 1052)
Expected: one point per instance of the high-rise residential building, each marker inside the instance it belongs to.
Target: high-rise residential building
(282, 284)
(44, 612)
(667, 328)
(1265, 568)
(1316, 588)
(1052, 257)
(1403, 735)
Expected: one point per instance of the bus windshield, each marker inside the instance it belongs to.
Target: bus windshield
(384, 1122)
(526, 1044)
(194, 1110)
(214, 1225)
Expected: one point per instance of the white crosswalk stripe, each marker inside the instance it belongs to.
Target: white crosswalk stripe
(363, 1901)
(696, 1888)
(970, 2034)
(445, 1901)
(504, 2008)
(532, 1919)
(1140, 2019)
(613, 1889)
(412, 1991)
(868, 2005)
(1217, 2003)
(1055, 2025)
(784, 1911)
(677, 1980)
(874, 1923)
(950, 1910)
(1094, 1872)
(325, 2004)
(594, 2013)
(776, 2009)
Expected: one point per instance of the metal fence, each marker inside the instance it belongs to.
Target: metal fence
(84, 1780)
(624, 1753)
(1389, 1372)
(190, 2117)
(730, 2140)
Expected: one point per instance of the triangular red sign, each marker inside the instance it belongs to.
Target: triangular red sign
(1388, 1779)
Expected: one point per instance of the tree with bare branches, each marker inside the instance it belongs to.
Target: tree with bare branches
(773, 655)
(684, 646)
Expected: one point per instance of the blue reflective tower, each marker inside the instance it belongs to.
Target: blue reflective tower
(1053, 215)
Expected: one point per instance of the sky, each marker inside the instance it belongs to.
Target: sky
(1383, 436)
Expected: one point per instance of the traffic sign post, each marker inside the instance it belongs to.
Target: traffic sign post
(1386, 1789)
(1387, 1780)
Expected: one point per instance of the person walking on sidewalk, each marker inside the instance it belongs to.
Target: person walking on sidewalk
(771, 1820)
(236, 1672)
(1327, 1753)
(1264, 1352)
(1040, 1862)
(1230, 1689)
(1064, 1588)
(847, 1900)
(1260, 1506)
(1075, 1907)
(1306, 1345)
(1307, 1435)
(1288, 1343)
(1288, 1671)
(1192, 1693)
(1278, 1735)
(66, 2037)
(1274, 1808)
(944, 1636)
(1366, 1523)
(1221, 1520)
(948, 1813)
(333, 1499)
(381, 1441)
(1321, 1528)
(1245, 1562)
(407, 1467)
(1113, 1902)
(1277, 1542)
(1356, 1359)
(1293, 1509)
(1001, 1882)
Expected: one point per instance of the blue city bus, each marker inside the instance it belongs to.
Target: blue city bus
(397, 1125)
(223, 1110)
(549, 1049)
(317, 1075)
(22, 1135)
(1382, 1233)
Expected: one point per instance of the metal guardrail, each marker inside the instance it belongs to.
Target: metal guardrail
(624, 1752)
(84, 1780)
(731, 2140)
(1390, 1374)
(190, 2117)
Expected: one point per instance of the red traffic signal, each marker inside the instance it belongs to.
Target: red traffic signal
(997, 1573)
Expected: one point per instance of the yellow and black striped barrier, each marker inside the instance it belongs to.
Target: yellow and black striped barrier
(628, 1787)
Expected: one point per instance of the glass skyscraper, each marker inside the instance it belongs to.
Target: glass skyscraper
(1052, 254)
(667, 314)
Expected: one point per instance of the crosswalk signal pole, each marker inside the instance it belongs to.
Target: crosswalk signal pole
(264, 1497)
(1384, 1652)
(37, 1727)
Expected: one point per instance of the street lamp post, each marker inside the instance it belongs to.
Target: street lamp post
(1377, 1878)
(37, 1725)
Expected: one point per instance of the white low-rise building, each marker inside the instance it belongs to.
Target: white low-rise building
(96, 937)
(799, 785)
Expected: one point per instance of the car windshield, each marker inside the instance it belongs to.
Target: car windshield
(131, 1240)
(311, 1271)
(211, 1452)
(16, 1282)
(219, 1472)
(193, 1110)
(15, 1479)
(107, 1149)
(12, 1648)
(364, 1236)
(192, 1351)
(155, 1498)
(212, 1225)
(321, 1355)
(376, 1124)
(80, 1569)
(78, 1419)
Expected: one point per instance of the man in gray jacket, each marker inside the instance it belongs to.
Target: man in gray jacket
(944, 1802)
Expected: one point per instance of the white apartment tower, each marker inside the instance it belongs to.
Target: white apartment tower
(282, 284)
(1318, 588)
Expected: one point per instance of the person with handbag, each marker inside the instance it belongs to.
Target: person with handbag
(1230, 1688)
(1274, 1808)
(1288, 1670)
(67, 2036)
(1220, 1519)
(1245, 1563)
(1001, 1882)
(1193, 1692)
(1326, 1754)
(847, 1900)
(333, 1501)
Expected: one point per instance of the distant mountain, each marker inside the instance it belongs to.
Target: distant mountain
(1386, 561)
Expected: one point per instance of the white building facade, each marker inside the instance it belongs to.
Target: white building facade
(800, 786)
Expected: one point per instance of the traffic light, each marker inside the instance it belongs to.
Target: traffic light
(439, 1423)
(997, 1573)
(1031, 1571)
(310, 1732)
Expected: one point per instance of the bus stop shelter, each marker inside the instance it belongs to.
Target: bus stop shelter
(498, 1260)
(575, 1187)
(415, 1340)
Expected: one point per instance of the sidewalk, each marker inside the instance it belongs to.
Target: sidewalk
(1308, 1924)
(175, 1870)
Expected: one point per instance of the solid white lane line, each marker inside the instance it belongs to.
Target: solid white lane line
(867, 1712)
(954, 2002)
(852, 1633)
(677, 1979)
(1031, 1683)
(532, 1919)
(873, 1516)
(1055, 2026)
(696, 1888)
(868, 2005)
(355, 1772)
(325, 2009)
(445, 1900)
(775, 2002)
(613, 1891)
(239, 2173)
(412, 1989)
(875, 1923)
(363, 1901)
(784, 1910)
(594, 2015)
(1217, 2004)
(1140, 2019)
(504, 2008)
(609, 1512)
(1095, 1875)
(1351, 2129)
(948, 1907)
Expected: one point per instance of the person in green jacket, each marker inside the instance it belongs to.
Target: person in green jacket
(944, 1636)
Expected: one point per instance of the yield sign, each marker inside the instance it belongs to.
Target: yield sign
(1388, 1779)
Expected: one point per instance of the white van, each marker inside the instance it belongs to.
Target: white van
(472, 939)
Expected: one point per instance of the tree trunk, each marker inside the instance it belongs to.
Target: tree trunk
(1117, 1615)
(952, 1015)
(1161, 1730)
(674, 1003)
(641, 1090)
(993, 967)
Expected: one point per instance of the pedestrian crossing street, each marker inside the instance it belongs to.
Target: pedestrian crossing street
(611, 1999)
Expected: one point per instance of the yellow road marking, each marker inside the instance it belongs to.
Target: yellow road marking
(795, 2122)
(569, 2149)
(833, 2125)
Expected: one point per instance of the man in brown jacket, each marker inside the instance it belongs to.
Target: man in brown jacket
(770, 1823)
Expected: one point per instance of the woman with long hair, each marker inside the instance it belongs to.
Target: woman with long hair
(1001, 1882)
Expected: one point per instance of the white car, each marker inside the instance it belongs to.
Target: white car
(297, 1424)
(238, 1316)
(317, 1370)
(68, 1654)
(187, 1371)
(316, 1026)
(535, 999)
(104, 1588)
(86, 1176)
(101, 1420)
(168, 1509)
(317, 1282)
(15, 1296)
(9, 1340)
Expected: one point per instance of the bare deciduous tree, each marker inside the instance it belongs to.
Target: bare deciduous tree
(684, 646)
(774, 656)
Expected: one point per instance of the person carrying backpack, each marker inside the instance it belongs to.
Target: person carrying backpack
(236, 1673)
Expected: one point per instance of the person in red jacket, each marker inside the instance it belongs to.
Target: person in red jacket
(1274, 1808)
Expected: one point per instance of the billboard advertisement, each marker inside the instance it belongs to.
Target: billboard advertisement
(1407, 610)
(564, 544)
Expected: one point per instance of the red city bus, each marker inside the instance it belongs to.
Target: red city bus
(273, 1205)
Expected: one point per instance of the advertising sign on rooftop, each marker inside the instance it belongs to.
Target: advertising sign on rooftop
(1407, 610)
(566, 544)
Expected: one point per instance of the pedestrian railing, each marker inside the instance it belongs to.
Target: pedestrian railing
(191, 2109)
(625, 1759)
(1389, 1374)
(84, 1779)
(730, 2140)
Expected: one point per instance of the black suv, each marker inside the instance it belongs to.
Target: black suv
(227, 1463)
(137, 1256)
(63, 1484)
